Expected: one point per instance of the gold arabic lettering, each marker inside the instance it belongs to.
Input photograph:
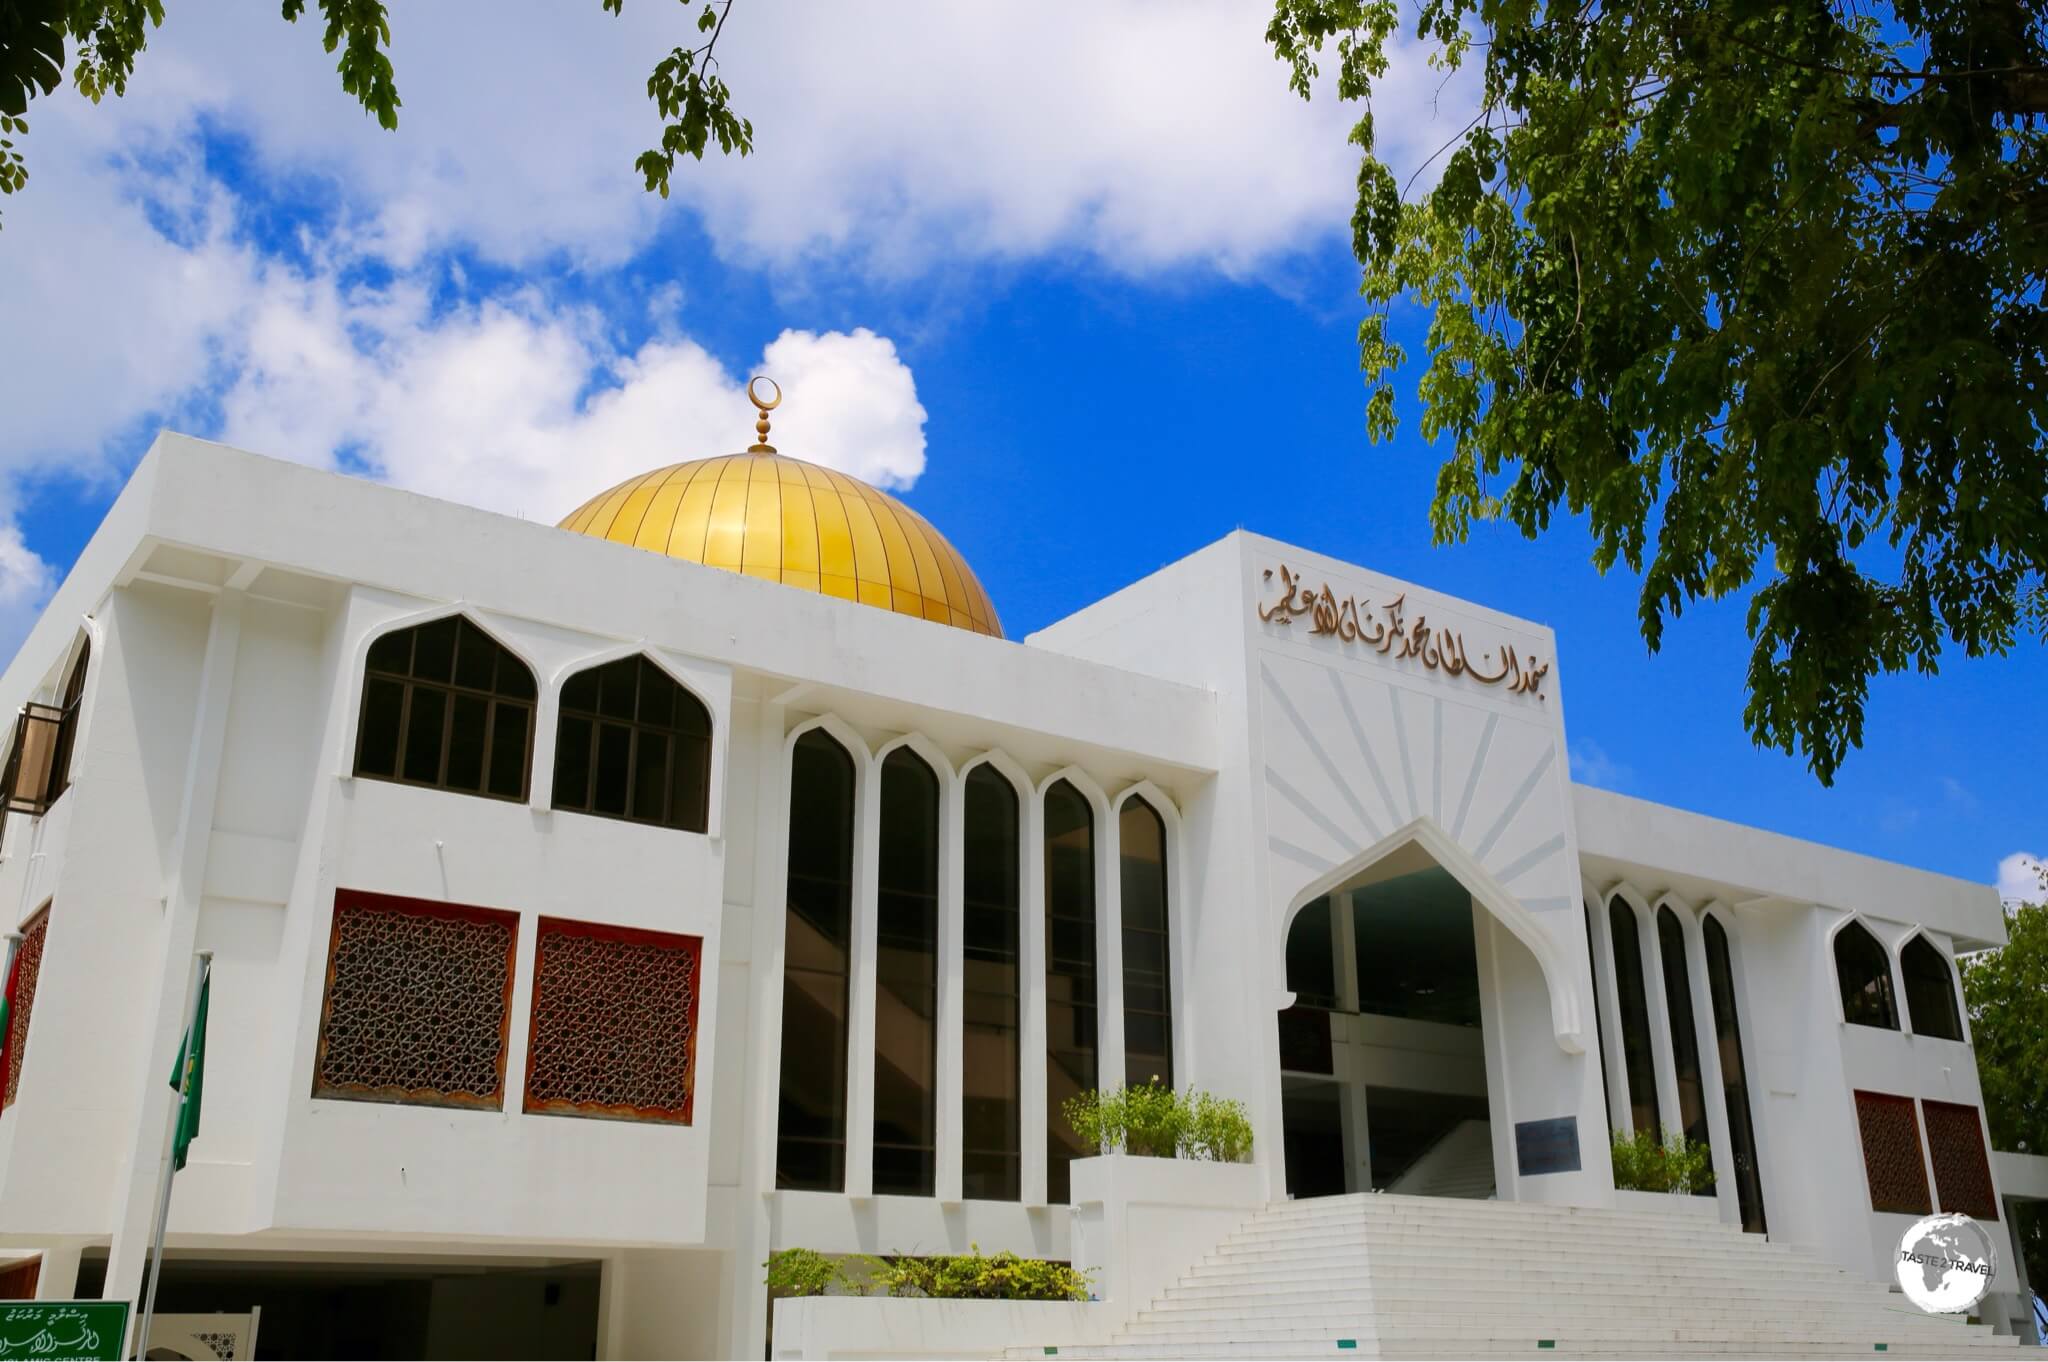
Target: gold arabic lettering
(1392, 634)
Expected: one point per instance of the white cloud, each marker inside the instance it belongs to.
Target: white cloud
(1590, 765)
(2019, 878)
(492, 403)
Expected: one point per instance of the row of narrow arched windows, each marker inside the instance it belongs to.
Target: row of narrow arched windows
(817, 998)
(1863, 973)
(447, 706)
(1639, 1067)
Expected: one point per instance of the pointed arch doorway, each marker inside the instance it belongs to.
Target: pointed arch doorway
(1384, 1048)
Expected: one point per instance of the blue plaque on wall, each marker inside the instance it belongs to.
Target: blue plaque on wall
(1550, 1146)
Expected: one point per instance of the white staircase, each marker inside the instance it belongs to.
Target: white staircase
(1394, 1276)
(1458, 1165)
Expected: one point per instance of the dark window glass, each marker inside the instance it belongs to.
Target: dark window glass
(1749, 1188)
(1930, 991)
(633, 744)
(466, 743)
(1070, 1034)
(1685, 1040)
(1599, 1019)
(382, 700)
(907, 979)
(1864, 973)
(67, 726)
(1413, 942)
(425, 735)
(810, 1145)
(1148, 974)
(1630, 993)
(991, 1164)
(446, 705)
(1311, 960)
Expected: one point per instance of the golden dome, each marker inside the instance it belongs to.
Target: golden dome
(770, 516)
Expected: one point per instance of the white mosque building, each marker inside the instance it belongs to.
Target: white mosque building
(595, 909)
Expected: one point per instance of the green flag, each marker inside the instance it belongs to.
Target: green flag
(188, 1076)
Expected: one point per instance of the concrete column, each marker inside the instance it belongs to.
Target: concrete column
(1109, 954)
(1031, 960)
(860, 1059)
(952, 970)
(753, 1215)
(57, 1277)
(135, 1206)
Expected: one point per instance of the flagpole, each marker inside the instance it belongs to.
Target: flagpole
(164, 1170)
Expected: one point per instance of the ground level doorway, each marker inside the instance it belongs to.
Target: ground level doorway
(1383, 1083)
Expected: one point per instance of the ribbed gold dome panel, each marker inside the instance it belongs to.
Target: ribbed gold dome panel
(769, 516)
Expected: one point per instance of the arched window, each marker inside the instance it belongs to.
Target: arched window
(907, 979)
(635, 745)
(992, 1136)
(1749, 1189)
(810, 1135)
(1629, 992)
(448, 706)
(38, 766)
(1685, 1039)
(1070, 1035)
(1148, 978)
(1930, 990)
(1863, 971)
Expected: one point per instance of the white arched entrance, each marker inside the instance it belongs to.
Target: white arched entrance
(1404, 969)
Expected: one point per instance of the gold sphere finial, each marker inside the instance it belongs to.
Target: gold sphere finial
(761, 445)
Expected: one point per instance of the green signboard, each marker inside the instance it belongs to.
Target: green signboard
(58, 1331)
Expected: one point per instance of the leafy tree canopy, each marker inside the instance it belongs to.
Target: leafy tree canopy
(104, 38)
(2006, 991)
(1758, 287)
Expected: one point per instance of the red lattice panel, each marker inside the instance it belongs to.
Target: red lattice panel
(30, 960)
(1891, 1153)
(614, 1030)
(419, 1003)
(1962, 1171)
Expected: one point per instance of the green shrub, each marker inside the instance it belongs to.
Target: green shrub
(1154, 1121)
(802, 1272)
(1642, 1163)
(972, 1276)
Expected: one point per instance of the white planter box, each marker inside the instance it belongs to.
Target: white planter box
(1669, 1203)
(1139, 1223)
(886, 1326)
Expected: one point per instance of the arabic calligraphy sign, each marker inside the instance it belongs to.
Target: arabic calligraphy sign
(59, 1331)
(1386, 629)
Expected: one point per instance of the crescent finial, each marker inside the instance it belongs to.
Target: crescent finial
(761, 445)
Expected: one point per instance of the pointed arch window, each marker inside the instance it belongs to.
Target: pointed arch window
(1148, 973)
(1070, 1031)
(38, 768)
(633, 744)
(1599, 1017)
(907, 979)
(1930, 990)
(1749, 1190)
(817, 948)
(992, 1073)
(1685, 1040)
(1638, 1060)
(446, 705)
(1863, 971)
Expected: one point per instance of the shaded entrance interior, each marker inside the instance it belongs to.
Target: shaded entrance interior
(358, 1308)
(1383, 1084)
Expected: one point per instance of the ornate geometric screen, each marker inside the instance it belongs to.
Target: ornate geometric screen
(28, 965)
(1891, 1153)
(1962, 1173)
(614, 1030)
(419, 1002)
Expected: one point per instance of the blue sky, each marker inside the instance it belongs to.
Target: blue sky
(1084, 336)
